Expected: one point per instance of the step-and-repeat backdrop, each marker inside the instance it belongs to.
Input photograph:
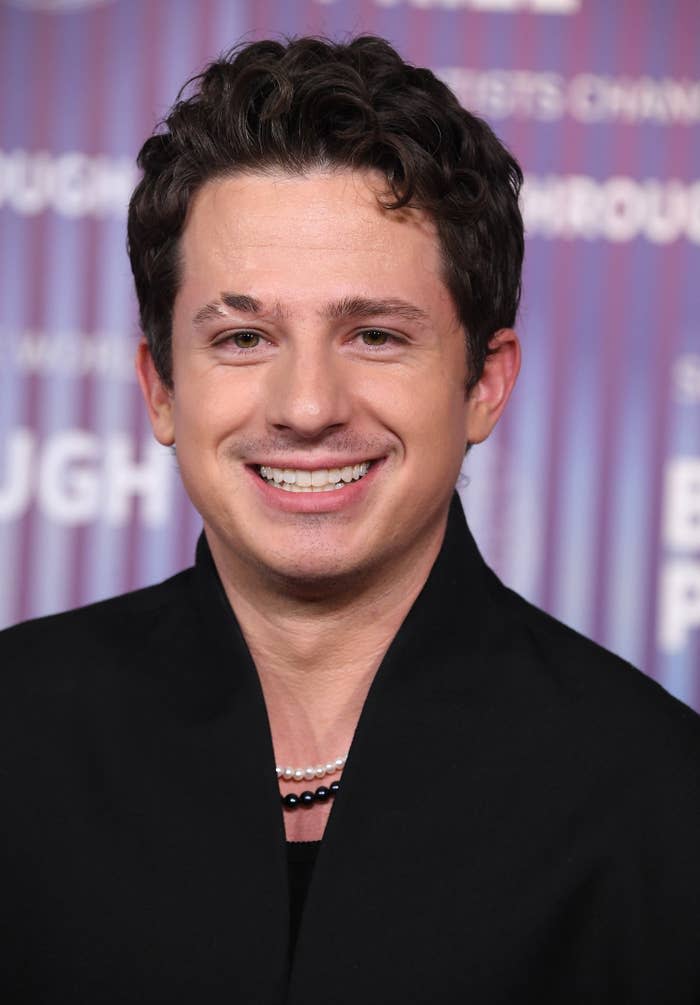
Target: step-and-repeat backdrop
(586, 500)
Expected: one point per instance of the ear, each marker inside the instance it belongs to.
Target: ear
(158, 398)
(490, 394)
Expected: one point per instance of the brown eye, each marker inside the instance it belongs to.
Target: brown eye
(246, 340)
(374, 337)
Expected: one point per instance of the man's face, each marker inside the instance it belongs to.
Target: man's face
(319, 370)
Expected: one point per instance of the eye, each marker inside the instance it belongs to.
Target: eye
(245, 340)
(375, 337)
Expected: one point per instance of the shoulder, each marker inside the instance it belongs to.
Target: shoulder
(589, 734)
(99, 634)
(605, 702)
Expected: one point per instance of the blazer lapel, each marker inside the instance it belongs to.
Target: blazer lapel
(232, 846)
(406, 771)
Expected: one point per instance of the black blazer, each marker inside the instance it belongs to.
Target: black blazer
(518, 821)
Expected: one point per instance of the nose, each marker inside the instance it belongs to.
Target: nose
(309, 393)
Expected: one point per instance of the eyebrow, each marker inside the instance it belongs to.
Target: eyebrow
(347, 307)
(234, 301)
(363, 307)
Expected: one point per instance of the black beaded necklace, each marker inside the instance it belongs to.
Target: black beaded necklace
(307, 799)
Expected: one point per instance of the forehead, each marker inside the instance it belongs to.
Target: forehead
(296, 234)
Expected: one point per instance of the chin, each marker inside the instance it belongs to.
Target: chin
(315, 577)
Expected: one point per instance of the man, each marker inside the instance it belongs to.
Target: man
(327, 254)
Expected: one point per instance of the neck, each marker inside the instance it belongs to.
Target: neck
(316, 655)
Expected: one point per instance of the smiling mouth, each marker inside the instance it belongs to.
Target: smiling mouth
(319, 480)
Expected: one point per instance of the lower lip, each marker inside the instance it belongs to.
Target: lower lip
(315, 502)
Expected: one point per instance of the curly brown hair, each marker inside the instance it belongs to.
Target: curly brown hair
(313, 103)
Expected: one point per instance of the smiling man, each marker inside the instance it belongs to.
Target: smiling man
(337, 760)
(319, 412)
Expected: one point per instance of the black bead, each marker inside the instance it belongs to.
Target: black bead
(334, 788)
(291, 800)
(322, 794)
(307, 799)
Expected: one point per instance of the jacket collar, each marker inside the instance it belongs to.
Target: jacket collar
(434, 665)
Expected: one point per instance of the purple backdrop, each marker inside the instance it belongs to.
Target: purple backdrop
(587, 499)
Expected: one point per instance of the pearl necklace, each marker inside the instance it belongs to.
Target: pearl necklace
(310, 772)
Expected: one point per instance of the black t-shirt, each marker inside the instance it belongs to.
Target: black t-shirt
(301, 858)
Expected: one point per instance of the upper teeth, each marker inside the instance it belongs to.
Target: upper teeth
(322, 479)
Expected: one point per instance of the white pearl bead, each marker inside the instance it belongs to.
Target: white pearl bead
(311, 771)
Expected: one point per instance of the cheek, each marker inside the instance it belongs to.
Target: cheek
(425, 411)
(438, 414)
(212, 409)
